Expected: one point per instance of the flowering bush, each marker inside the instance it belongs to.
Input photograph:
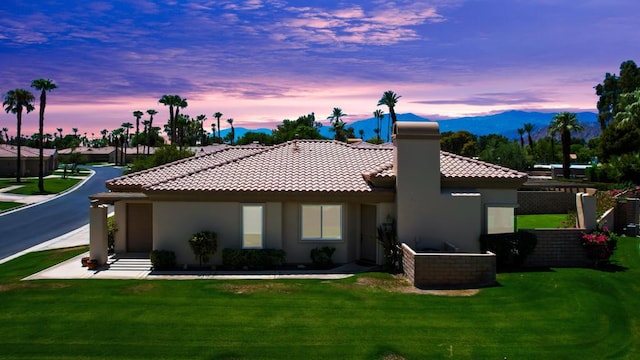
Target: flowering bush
(599, 244)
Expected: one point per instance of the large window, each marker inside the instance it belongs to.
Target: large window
(500, 220)
(322, 222)
(252, 226)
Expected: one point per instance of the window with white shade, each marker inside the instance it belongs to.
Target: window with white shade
(500, 220)
(252, 226)
(321, 222)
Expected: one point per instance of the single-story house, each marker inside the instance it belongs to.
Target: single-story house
(304, 194)
(29, 158)
(93, 155)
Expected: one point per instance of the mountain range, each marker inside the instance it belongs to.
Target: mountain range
(504, 123)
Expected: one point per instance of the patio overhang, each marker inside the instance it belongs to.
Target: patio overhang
(111, 197)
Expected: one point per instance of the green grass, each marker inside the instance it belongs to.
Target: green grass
(541, 221)
(81, 172)
(30, 186)
(568, 313)
(6, 205)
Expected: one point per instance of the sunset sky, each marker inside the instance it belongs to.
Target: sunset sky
(262, 61)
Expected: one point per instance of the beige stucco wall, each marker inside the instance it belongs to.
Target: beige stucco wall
(120, 217)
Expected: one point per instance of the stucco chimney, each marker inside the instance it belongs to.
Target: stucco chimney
(417, 168)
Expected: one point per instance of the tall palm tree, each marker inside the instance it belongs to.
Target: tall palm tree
(75, 131)
(60, 131)
(201, 119)
(218, 115)
(137, 114)
(127, 126)
(528, 128)
(6, 134)
(151, 112)
(16, 101)
(521, 133)
(233, 131)
(43, 85)
(379, 115)
(565, 123)
(169, 100)
(390, 99)
(213, 129)
(180, 104)
(552, 136)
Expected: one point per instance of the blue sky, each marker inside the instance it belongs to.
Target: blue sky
(262, 61)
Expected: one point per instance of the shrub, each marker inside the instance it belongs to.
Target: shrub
(204, 244)
(599, 244)
(252, 259)
(321, 257)
(388, 237)
(163, 259)
(112, 229)
(510, 248)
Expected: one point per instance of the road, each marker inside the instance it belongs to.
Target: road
(31, 226)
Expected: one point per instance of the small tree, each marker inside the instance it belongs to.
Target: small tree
(388, 237)
(204, 244)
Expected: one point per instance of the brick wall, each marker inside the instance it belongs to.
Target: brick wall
(545, 202)
(448, 269)
(557, 248)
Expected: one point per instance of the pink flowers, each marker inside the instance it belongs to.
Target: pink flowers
(599, 244)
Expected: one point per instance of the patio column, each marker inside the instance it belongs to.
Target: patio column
(98, 245)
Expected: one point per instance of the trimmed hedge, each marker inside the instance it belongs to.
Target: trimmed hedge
(163, 259)
(252, 259)
(511, 249)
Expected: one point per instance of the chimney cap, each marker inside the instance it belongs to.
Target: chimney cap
(416, 130)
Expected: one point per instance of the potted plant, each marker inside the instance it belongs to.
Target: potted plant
(599, 245)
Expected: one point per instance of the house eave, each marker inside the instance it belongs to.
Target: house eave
(375, 196)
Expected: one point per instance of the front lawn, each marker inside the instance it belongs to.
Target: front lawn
(30, 185)
(569, 313)
(541, 221)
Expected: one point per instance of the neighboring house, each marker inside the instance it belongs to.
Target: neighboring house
(93, 155)
(29, 157)
(309, 193)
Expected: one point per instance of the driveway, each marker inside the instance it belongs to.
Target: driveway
(25, 228)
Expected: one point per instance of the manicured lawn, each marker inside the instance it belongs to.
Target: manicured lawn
(82, 172)
(548, 314)
(6, 205)
(541, 221)
(30, 186)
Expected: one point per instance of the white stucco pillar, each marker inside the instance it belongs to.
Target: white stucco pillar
(98, 245)
(586, 211)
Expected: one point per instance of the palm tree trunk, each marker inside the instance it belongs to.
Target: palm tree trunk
(19, 164)
(43, 102)
(566, 149)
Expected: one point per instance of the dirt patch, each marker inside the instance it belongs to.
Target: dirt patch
(261, 286)
(399, 284)
(140, 288)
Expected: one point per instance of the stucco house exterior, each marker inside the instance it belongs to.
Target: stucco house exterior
(29, 158)
(304, 194)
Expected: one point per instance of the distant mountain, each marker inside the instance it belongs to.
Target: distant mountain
(505, 123)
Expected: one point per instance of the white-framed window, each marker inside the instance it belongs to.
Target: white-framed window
(500, 219)
(252, 226)
(321, 222)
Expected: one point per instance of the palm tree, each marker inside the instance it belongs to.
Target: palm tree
(127, 126)
(15, 101)
(137, 114)
(75, 131)
(337, 123)
(233, 131)
(201, 119)
(361, 133)
(60, 131)
(521, 133)
(379, 115)
(528, 128)
(390, 99)
(552, 136)
(151, 112)
(180, 104)
(6, 134)
(213, 129)
(175, 103)
(218, 115)
(43, 85)
(565, 123)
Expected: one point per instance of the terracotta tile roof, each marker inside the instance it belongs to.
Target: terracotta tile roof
(11, 151)
(303, 165)
(179, 168)
(89, 150)
(456, 166)
(296, 166)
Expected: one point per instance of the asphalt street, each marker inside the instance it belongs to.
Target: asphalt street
(31, 226)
